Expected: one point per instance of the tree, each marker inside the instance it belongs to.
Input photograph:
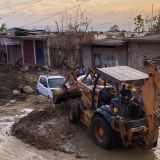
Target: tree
(3, 27)
(140, 24)
(76, 21)
(156, 24)
(151, 23)
(72, 30)
(114, 28)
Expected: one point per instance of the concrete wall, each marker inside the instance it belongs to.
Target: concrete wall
(133, 55)
(110, 56)
(137, 51)
(46, 54)
(14, 53)
(104, 56)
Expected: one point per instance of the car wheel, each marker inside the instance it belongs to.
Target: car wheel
(74, 113)
(102, 132)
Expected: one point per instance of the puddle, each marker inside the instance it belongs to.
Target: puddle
(13, 149)
(84, 142)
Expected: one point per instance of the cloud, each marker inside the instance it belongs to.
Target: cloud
(99, 10)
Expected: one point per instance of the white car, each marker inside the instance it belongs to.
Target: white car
(46, 84)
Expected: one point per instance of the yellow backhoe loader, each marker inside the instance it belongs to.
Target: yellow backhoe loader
(120, 104)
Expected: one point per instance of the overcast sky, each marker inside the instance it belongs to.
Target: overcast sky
(111, 12)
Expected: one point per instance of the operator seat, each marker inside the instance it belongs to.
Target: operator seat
(105, 96)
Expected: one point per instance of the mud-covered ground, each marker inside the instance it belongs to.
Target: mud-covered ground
(33, 128)
(32, 119)
(46, 134)
(49, 129)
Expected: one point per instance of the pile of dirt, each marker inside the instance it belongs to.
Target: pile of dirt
(10, 79)
(46, 129)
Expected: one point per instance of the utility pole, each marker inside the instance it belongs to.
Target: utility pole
(152, 17)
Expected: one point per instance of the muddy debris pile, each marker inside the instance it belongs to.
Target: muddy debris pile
(46, 129)
(14, 79)
(10, 79)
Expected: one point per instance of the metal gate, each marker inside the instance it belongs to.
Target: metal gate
(61, 57)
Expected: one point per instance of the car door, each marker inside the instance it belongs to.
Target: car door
(45, 87)
(49, 91)
(40, 85)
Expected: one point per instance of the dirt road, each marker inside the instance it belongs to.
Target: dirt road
(12, 148)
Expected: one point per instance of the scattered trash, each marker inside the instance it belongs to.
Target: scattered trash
(10, 102)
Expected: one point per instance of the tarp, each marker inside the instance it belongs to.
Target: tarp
(9, 41)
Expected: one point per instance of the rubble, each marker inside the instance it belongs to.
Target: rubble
(11, 81)
(14, 78)
(16, 92)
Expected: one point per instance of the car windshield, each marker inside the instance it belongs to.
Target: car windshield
(55, 82)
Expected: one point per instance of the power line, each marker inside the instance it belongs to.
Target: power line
(53, 15)
(16, 4)
(36, 1)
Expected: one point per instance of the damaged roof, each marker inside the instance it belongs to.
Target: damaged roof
(120, 74)
(151, 38)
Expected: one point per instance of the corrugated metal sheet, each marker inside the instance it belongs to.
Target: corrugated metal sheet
(155, 62)
(122, 73)
(9, 41)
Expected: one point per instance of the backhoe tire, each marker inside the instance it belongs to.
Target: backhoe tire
(102, 132)
(74, 113)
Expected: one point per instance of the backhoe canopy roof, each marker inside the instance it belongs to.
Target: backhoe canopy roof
(119, 74)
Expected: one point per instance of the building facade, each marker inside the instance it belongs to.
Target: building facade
(142, 49)
(132, 52)
(28, 49)
(105, 53)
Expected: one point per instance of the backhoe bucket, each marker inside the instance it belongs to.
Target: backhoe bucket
(151, 101)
